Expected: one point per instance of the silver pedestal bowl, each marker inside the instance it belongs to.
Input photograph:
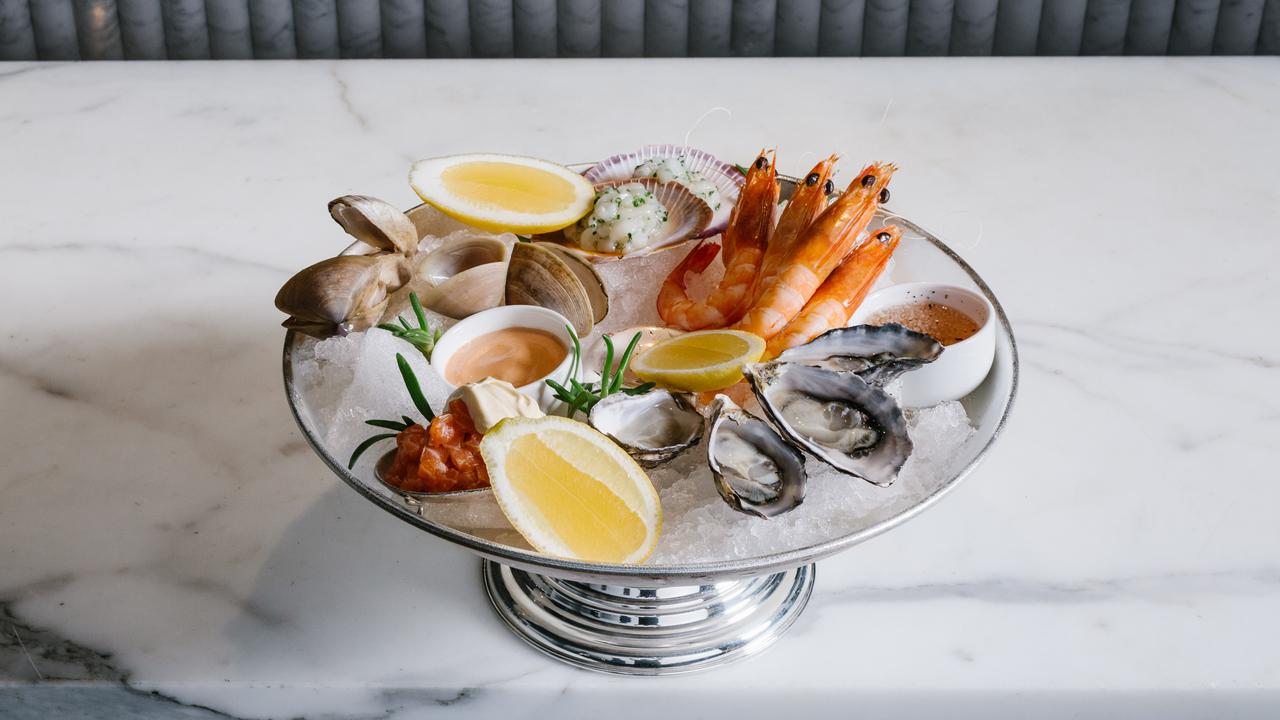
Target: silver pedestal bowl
(670, 619)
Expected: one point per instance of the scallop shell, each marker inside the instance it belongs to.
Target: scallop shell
(726, 177)
(465, 276)
(537, 276)
(687, 218)
(375, 222)
(591, 281)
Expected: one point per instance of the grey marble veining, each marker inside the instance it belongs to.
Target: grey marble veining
(622, 28)
(840, 31)
(884, 30)
(710, 27)
(17, 39)
(230, 31)
(973, 31)
(666, 28)
(929, 27)
(271, 22)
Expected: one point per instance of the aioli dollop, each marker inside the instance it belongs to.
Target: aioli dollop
(491, 401)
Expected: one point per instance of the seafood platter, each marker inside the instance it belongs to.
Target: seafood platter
(650, 391)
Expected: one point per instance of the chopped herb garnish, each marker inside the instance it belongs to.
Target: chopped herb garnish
(580, 397)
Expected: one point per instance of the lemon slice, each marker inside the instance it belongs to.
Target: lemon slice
(570, 491)
(503, 192)
(699, 361)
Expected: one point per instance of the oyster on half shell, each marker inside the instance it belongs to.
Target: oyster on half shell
(877, 353)
(652, 427)
(837, 416)
(756, 471)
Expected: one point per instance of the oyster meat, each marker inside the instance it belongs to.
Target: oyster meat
(652, 427)
(855, 427)
(877, 353)
(756, 471)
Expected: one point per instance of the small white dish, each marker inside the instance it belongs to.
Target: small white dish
(501, 318)
(963, 366)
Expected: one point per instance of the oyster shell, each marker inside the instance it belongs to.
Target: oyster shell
(851, 425)
(653, 427)
(465, 276)
(341, 294)
(877, 353)
(375, 222)
(755, 469)
(687, 218)
(538, 276)
(727, 179)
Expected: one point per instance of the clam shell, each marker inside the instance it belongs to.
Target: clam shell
(464, 277)
(653, 427)
(806, 403)
(687, 219)
(734, 432)
(537, 276)
(725, 176)
(587, 275)
(375, 222)
(340, 294)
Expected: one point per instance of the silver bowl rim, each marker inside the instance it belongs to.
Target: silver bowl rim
(775, 562)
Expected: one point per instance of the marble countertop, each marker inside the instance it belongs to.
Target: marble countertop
(170, 546)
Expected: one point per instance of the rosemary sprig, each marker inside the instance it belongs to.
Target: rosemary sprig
(415, 393)
(421, 337)
(581, 397)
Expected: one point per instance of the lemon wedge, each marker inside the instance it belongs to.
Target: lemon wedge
(699, 361)
(503, 192)
(570, 491)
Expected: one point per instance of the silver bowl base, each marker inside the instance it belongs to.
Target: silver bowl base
(660, 630)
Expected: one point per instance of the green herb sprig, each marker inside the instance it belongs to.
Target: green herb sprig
(581, 397)
(415, 393)
(421, 337)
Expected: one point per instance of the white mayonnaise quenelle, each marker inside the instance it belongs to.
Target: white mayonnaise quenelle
(490, 401)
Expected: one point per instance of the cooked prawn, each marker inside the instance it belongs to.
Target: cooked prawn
(744, 242)
(818, 250)
(840, 294)
(807, 200)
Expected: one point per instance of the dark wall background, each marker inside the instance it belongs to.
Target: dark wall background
(242, 29)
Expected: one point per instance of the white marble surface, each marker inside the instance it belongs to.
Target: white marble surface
(168, 543)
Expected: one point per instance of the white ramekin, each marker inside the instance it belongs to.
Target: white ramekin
(961, 367)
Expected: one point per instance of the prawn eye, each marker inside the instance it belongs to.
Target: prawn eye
(883, 237)
(812, 179)
(884, 195)
(868, 180)
(762, 162)
(829, 187)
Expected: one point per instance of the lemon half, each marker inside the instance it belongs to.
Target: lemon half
(699, 361)
(570, 491)
(503, 192)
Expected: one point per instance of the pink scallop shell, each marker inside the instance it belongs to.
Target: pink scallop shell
(726, 177)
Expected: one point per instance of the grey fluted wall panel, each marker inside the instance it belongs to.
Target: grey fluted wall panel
(710, 27)
(1150, 22)
(1193, 24)
(751, 33)
(448, 29)
(404, 29)
(492, 30)
(315, 24)
(1061, 27)
(666, 28)
(98, 30)
(186, 29)
(17, 38)
(1269, 33)
(1017, 28)
(271, 22)
(578, 28)
(54, 25)
(359, 29)
(1238, 25)
(1105, 23)
(973, 27)
(230, 33)
(929, 27)
(535, 28)
(796, 30)
(884, 29)
(840, 31)
(622, 28)
(142, 29)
